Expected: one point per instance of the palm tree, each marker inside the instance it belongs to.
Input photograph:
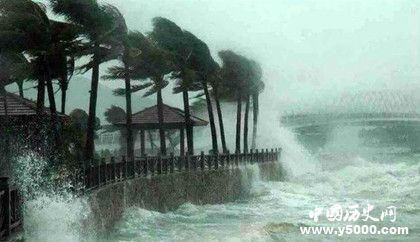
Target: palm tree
(235, 73)
(194, 67)
(149, 63)
(62, 57)
(215, 82)
(25, 28)
(15, 67)
(252, 86)
(125, 72)
(102, 26)
(257, 87)
(202, 62)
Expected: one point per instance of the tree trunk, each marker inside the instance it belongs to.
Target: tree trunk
(220, 116)
(246, 123)
(20, 87)
(189, 128)
(130, 142)
(5, 160)
(64, 87)
(40, 100)
(161, 123)
(211, 119)
(181, 142)
(90, 136)
(238, 122)
(255, 111)
(53, 111)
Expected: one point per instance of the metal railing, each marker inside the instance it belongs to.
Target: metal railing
(10, 212)
(101, 172)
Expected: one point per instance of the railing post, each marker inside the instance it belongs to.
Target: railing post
(262, 155)
(113, 169)
(179, 163)
(4, 186)
(272, 155)
(165, 164)
(237, 158)
(227, 158)
(103, 171)
(131, 169)
(92, 177)
(216, 161)
(187, 161)
(124, 168)
(202, 160)
(159, 165)
(257, 156)
(85, 175)
(152, 165)
(222, 158)
(171, 163)
(251, 156)
(145, 165)
(267, 155)
(208, 159)
(193, 160)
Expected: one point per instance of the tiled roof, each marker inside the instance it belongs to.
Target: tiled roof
(17, 106)
(171, 116)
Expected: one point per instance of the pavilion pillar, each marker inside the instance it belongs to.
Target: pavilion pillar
(181, 142)
(142, 143)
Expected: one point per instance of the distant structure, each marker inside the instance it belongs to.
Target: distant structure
(17, 109)
(18, 122)
(146, 121)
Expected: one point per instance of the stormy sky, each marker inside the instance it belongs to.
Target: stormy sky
(307, 47)
(304, 46)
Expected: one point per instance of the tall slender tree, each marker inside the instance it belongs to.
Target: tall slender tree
(25, 28)
(215, 82)
(150, 64)
(102, 26)
(235, 73)
(202, 62)
(171, 37)
(252, 86)
(257, 87)
(195, 65)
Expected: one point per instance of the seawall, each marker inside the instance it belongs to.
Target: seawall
(167, 192)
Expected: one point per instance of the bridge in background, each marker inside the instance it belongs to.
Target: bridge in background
(376, 108)
(383, 119)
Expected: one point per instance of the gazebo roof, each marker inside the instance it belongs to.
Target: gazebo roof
(18, 106)
(174, 118)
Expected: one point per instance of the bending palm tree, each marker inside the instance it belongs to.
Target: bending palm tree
(194, 65)
(147, 62)
(235, 73)
(102, 25)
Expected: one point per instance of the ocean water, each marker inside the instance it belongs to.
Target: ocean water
(344, 173)
(277, 209)
(338, 174)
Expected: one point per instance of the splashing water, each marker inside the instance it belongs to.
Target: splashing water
(51, 212)
(275, 210)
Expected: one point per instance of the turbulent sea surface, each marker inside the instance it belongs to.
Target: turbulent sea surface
(381, 177)
(339, 173)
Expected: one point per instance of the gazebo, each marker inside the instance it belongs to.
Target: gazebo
(174, 118)
(19, 111)
(18, 121)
